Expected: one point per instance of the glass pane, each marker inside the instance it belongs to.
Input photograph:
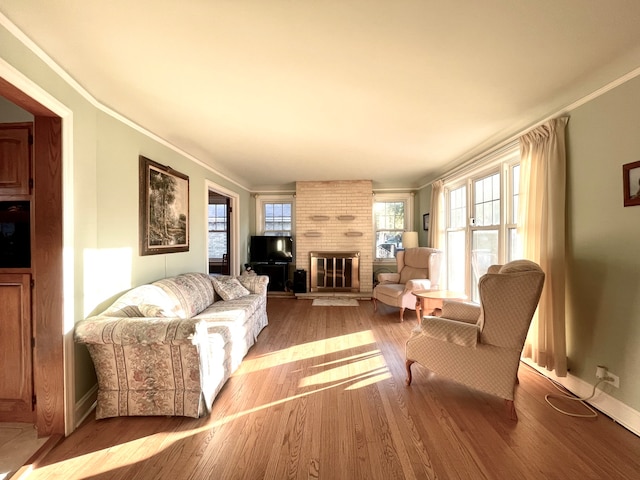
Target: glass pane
(217, 217)
(487, 201)
(387, 243)
(515, 246)
(217, 244)
(458, 207)
(484, 253)
(456, 261)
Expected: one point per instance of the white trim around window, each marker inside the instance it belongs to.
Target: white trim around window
(260, 202)
(408, 200)
(461, 230)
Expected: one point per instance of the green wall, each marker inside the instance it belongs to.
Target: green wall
(101, 210)
(603, 239)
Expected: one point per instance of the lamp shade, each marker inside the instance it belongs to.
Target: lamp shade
(409, 240)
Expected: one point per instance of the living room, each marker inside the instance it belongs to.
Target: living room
(100, 196)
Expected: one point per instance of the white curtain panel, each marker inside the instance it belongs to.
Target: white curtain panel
(437, 216)
(542, 227)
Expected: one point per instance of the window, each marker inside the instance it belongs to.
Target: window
(277, 218)
(391, 216)
(456, 235)
(218, 225)
(274, 215)
(481, 226)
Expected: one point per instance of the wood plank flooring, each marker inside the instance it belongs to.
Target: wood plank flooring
(322, 396)
(18, 441)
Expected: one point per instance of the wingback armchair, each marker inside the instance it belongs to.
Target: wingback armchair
(418, 269)
(480, 345)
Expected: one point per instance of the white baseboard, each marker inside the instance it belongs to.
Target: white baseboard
(610, 406)
(85, 406)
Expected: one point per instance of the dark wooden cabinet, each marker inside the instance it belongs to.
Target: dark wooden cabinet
(16, 330)
(16, 374)
(15, 159)
(278, 274)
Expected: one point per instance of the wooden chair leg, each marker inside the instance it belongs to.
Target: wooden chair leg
(408, 364)
(401, 314)
(375, 304)
(511, 410)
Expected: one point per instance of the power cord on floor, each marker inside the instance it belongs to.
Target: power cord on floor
(564, 396)
(582, 400)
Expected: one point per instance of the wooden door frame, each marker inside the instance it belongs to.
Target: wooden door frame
(53, 354)
(234, 231)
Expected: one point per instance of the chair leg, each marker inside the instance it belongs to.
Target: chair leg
(511, 410)
(408, 364)
(401, 314)
(375, 304)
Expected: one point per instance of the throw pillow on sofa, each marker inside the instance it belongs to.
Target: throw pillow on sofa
(229, 288)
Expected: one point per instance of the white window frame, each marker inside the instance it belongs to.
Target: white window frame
(501, 162)
(261, 200)
(408, 200)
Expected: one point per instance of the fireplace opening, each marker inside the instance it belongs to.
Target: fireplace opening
(335, 272)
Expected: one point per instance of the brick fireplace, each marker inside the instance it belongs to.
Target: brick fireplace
(336, 218)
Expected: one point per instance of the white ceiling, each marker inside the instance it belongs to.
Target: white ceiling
(269, 92)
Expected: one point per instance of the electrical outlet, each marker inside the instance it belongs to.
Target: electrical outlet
(612, 379)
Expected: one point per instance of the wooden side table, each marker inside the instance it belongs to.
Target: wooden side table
(422, 296)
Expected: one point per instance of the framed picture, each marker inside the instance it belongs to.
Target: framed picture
(425, 221)
(164, 209)
(631, 183)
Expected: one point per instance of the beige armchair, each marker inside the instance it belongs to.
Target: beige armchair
(418, 269)
(480, 345)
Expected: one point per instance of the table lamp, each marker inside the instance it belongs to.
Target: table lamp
(409, 240)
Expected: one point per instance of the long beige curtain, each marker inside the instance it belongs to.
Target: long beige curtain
(436, 216)
(542, 227)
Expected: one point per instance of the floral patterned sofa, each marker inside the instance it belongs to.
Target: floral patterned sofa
(168, 347)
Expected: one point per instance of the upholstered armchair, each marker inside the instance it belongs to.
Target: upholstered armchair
(418, 269)
(480, 345)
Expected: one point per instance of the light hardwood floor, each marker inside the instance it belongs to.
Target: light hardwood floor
(322, 395)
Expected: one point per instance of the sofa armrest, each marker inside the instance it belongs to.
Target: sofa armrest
(388, 277)
(140, 330)
(255, 283)
(450, 331)
(417, 284)
(461, 311)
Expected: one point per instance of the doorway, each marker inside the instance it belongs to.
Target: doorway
(47, 280)
(223, 230)
(219, 245)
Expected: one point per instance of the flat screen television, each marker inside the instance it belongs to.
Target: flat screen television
(271, 249)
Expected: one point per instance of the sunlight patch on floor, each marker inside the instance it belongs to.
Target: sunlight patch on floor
(95, 458)
(348, 369)
(308, 350)
(18, 442)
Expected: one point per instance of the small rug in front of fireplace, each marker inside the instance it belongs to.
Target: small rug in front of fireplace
(335, 302)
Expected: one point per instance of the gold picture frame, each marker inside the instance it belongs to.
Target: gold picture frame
(164, 209)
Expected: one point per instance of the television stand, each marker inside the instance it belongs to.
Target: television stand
(278, 273)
